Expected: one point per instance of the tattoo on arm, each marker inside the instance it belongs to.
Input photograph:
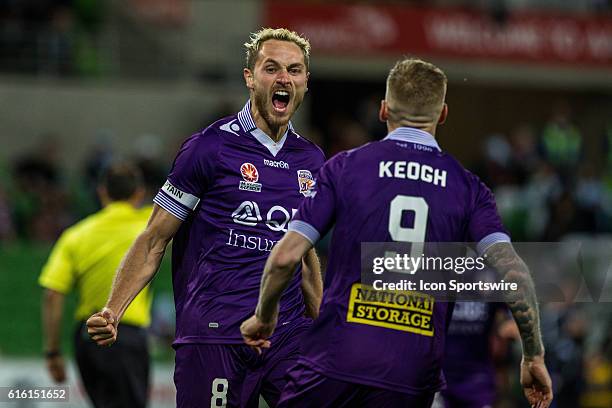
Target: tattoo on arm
(522, 302)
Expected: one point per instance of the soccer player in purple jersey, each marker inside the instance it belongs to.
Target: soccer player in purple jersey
(228, 200)
(353, 355)
(468, 366)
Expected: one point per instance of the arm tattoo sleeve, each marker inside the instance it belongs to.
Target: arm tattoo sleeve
(522, 302)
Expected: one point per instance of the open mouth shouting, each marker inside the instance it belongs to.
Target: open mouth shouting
(280, 101)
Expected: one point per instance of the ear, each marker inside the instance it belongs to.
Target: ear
(307, 78)
(443, 115)
(138, 196)
(383, 113)
(103, 195)
(248, 78)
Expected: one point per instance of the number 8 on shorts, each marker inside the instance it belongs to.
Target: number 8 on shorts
(219, 393)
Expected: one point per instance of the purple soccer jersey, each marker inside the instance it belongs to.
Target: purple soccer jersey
(468, 363)
(402, 187)
(469, 335)
(235, 190)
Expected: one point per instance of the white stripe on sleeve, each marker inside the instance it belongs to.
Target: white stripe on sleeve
(489, 240)
(305, 229)
(171, 206)
(188, 200)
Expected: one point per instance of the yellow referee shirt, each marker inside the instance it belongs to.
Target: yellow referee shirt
(88, 254)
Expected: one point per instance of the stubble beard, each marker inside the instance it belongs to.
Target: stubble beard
(262, 101)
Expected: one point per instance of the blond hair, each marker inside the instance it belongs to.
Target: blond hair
(282, 34)
(415, 88)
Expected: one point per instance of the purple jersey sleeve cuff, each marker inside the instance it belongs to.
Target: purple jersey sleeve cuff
(168, 204)
(303, 228)
(489, 240)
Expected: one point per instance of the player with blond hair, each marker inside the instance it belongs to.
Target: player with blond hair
(226, 203)
(365, 349)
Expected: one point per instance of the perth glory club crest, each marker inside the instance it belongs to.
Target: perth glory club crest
(250, 176)
(306, 183)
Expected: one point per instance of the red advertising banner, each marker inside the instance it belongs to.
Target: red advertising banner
(358, 29)
(171, 13)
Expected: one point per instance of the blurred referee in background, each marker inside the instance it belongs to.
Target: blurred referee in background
(86, 256)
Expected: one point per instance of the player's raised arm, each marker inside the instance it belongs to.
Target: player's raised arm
(276, 276)
(136, 270)
(523, 304)
(312, 283)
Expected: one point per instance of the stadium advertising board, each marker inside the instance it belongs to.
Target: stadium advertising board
(357, 29)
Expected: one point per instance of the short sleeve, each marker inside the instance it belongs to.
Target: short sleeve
(317, 213)
(485, 227)
(58, 273)
(191, 175)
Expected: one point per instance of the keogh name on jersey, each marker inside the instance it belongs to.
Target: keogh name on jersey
(412, 171)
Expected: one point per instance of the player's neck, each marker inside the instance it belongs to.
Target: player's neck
(431, 129)
(275, 133)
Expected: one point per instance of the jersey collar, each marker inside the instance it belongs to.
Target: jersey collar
(248, 125)
(413, 135)
(119, 206)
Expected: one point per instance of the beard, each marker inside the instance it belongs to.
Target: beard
(263, 102)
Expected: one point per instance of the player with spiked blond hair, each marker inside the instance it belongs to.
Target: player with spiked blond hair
(227, 201)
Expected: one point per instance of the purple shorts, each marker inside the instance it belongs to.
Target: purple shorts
(307, 388)
(234, 375)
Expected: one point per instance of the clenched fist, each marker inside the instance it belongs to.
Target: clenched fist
(102, 327)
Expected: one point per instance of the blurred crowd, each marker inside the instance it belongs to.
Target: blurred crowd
(546, 184)
(83, 37)
(55, 37)
(39, 197)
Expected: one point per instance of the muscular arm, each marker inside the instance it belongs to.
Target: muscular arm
(523, 302)
(142, 261)
(136, 270)
(312, 283)
(276, 276)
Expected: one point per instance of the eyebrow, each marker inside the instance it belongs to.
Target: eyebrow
(269, 60)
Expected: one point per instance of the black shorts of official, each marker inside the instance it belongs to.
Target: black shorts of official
(116, 376)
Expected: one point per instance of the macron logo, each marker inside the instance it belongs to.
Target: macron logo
(278, 164)
(231, 127)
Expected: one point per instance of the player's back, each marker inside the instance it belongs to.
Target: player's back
(402, 188)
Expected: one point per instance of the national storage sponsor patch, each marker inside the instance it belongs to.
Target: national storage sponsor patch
(398, 310)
